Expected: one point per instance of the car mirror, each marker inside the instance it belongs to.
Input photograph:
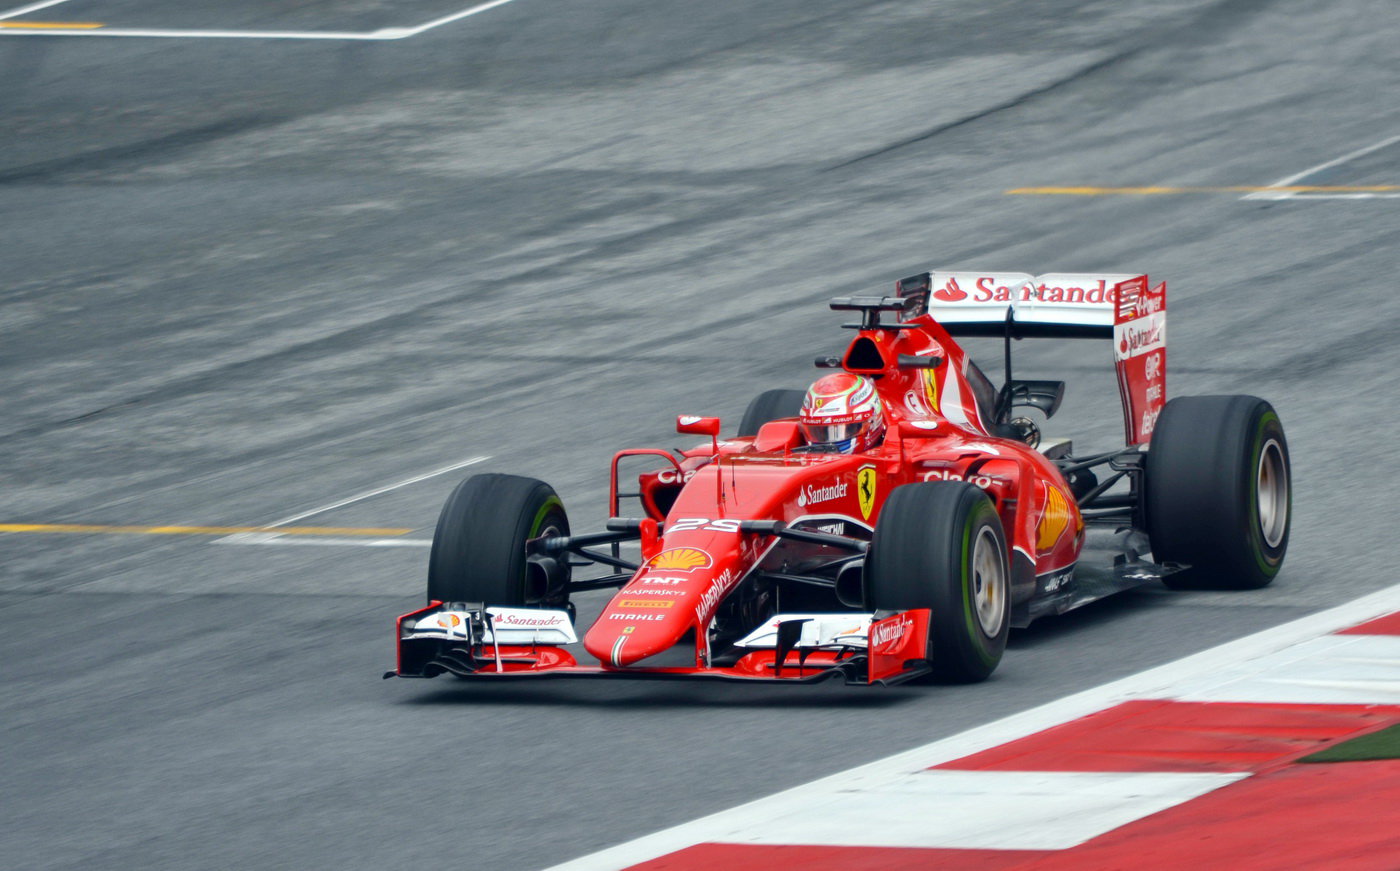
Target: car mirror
(689, 423)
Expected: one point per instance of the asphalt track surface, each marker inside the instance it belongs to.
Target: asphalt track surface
(245, 279)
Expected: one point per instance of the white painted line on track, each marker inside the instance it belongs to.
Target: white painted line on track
(1292, 180)
(201, 34)
(384, 33)
(270, 537)
(446, 19)
(739, 824)
(32, 7)
(1308, 196)
(334, 542)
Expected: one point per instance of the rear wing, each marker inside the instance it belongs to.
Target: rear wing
(1121, 307)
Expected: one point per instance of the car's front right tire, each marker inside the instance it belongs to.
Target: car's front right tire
(940, 545)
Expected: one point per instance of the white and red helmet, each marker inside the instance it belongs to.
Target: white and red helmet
(843, 410)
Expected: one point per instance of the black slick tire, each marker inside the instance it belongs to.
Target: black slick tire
(940, 545)
(768, 406)
(478, 550)
(1218, 492)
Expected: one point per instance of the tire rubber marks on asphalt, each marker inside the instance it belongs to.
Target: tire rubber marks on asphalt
(58, 28)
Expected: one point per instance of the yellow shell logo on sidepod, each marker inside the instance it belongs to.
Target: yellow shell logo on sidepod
(680, 559)
(1054, 521)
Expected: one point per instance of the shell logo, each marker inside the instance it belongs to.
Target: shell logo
(680, 559)
(1054, 521)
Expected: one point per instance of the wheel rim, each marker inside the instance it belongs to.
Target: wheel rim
(988, 582)
(1271, 487)
(550, 530)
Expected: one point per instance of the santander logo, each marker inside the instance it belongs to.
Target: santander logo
(950, 292)
(887, 632)
(510, 621)
(810, 495)
(1141, 336)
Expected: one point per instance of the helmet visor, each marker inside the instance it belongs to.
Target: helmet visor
(824, 434)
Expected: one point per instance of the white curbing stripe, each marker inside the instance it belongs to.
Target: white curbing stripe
(886, 774)
(983, 810)
(1332, 670)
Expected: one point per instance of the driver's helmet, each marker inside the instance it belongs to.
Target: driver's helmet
(843, 410)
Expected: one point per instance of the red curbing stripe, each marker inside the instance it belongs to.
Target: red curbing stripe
(1342, 816)
(765, 857)
(1275, 815)
(1387, 625)
(1171, 736)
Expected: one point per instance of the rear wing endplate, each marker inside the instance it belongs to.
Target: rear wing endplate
(1121, 307)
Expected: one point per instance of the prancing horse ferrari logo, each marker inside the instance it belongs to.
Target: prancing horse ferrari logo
(865, 490)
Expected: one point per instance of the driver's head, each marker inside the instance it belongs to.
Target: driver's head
(843, 410)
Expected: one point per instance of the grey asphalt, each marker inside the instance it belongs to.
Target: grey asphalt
(246, 279)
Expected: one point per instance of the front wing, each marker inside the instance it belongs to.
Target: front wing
(460, 640)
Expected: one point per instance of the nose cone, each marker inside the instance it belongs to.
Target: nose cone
(639, 623)
(652, 612)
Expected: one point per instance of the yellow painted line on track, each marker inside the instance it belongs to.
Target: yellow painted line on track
(107, 529)
(51, 25)
(1151, 190)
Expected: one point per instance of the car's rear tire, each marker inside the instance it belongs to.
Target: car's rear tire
(768, 406)
(478, 550)
(1218, 492)
(940, 545)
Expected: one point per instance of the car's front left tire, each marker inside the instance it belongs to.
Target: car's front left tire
(768, 406)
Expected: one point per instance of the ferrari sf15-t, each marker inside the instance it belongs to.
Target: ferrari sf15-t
(764, 556)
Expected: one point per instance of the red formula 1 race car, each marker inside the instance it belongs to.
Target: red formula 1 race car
(893, 522)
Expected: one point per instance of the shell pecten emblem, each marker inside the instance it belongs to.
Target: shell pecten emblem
(680, 559)
(1054, 521)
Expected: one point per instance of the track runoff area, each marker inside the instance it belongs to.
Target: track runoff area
(1277, 751)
